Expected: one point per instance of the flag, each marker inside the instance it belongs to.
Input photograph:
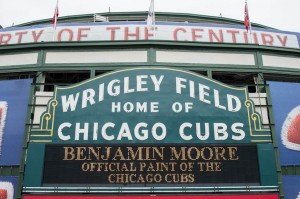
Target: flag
(100, 18)
(54, 19)
(151, 16)
(246, 20)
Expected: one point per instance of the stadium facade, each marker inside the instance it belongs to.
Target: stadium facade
(194, 107)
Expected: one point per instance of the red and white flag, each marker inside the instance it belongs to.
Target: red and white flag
(54, 19)
(246, 20)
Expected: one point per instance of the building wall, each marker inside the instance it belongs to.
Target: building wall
(66, 63)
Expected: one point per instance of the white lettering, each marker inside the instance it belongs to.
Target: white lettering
(235, 129)
(230, 99)
(124, 132)
(113, 90)
(143, 134)
(217, 100)
(95, 131)
(138, 107)
(116, 107)
(84, 131)
(71, 102)
(220, 131)
(163, 131)
(60, 131)
(126, 86)
(206, 131)
(154, 107)
(140, 83)
(104, 133)
(179, 84)
(203, 93)
(182, 132)
(157, 82)
(88, 96)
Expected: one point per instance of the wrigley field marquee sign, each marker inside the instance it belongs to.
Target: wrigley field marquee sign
(147, 126)
(150, 105)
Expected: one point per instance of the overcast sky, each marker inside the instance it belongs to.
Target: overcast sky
(279, 14)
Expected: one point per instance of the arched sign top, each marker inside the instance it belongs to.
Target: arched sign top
(205, 78)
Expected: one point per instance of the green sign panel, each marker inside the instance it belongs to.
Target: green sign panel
(150, 105)
(148, 127)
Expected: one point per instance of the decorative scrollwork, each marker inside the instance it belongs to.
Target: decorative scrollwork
(48, 116)
(255, 120)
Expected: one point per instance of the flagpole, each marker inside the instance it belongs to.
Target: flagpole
(154, 24)
(55, 20)
(151, 19)
(250, 28)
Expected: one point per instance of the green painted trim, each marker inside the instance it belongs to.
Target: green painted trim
(151, 56)
(9, 170)
(275, 143)
(267, 167)
(92, 73)
(41, 58)
(290, 170)
(258, 60)
(281, 54)
(226, 66)
(36, 166)
(145, 44)
(83, 191)
(25, 142)
(114, 66)
(209, 74)
(283, 71)
(20, 68)
(93, 49)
